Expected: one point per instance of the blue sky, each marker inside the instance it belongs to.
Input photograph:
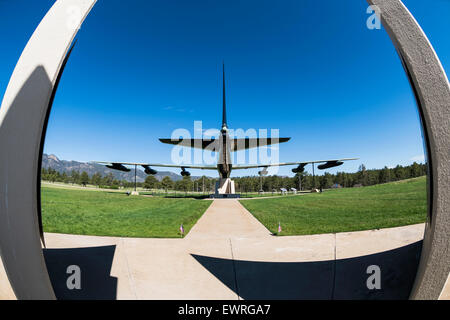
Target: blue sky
(310, 69)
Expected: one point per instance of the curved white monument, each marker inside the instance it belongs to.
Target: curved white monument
(27, 102)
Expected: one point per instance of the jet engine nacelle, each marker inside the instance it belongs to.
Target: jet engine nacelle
(263, 172)
(185, 173)
(118, 166)
(300, 168)
(149, 170)
(329, 164)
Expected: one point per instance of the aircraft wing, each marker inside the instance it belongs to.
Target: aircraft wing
(212, 144)
(121, 165)
(248, 143)
(326, 164)
(207, 143)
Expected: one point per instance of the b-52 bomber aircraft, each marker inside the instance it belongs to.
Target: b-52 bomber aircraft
(224, 145)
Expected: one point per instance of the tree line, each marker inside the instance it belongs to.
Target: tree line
(301, 181)
(306, 181)
(205, 184)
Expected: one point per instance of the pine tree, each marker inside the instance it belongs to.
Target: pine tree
(96, 179)
(151, 182)
(167, 183)
(84, 178)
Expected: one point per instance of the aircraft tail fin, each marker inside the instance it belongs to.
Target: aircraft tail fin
(224, 107)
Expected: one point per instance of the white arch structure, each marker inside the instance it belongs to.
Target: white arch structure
(27, 103)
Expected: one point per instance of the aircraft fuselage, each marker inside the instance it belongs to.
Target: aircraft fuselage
(224, 165)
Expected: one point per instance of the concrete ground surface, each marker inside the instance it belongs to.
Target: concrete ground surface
(6, 292)
(228, 254)
(445, 294)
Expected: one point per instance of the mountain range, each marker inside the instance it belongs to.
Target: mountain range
(52, 161)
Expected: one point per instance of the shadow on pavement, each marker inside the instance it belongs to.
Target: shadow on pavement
(95, 265)
(340, 279)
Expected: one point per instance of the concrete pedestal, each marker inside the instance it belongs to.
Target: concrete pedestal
(225, 196)
(225, 186)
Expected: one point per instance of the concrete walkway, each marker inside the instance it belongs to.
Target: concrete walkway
(226, 219)
(228, 254)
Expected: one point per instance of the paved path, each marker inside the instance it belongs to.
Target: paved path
(227, 219)
(228, 254)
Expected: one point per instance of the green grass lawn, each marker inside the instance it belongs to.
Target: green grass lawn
(116, 214)
(350, 209)
(267, 194)
(173, 194)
